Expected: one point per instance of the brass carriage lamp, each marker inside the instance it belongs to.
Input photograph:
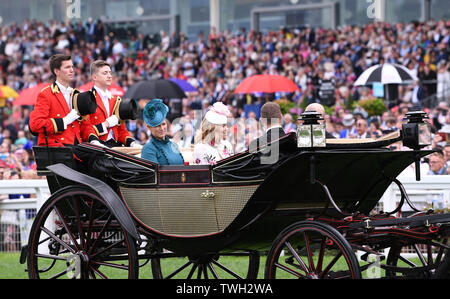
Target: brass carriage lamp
(416, 132)
(311, 133)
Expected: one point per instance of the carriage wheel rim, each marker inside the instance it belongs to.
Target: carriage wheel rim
(89, 260)
(310, 273)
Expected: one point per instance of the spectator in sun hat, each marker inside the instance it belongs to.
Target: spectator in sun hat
(159, 149)
(349, 124)
(211, 144)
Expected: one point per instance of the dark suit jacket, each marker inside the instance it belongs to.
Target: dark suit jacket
(287, 143)
(273, 133)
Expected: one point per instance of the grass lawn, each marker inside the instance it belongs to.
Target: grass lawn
(10, 268)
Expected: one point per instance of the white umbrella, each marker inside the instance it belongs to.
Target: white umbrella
(386, 73)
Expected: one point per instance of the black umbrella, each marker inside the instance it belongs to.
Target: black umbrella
(386, 74)
(155, 89)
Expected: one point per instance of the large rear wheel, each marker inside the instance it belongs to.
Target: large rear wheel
(75, 235)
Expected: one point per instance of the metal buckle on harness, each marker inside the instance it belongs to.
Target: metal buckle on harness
(368, 226)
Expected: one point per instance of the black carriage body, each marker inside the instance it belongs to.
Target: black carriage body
(240, 203)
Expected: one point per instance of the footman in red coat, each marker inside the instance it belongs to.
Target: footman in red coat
(54, 113)
(109, 120)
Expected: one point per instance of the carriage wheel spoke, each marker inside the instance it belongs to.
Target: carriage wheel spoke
(199, 271)
(213, 271)
(44, 240)
(286, 269)
(194, 267)
(297, 257)
(430, 254)
(54, 237)
(107, 248)
(205, 271)
(405, 260)
(80, 229)
(420, 255)
(112, 265)
(226, 269)
(321, 256)
(308, 252)
(91, 273)
(178, 270)
(99, 273)
(331, 264)
(91, 221)
(439, 255)
(57, 275)
(100, 235)
(69, 232)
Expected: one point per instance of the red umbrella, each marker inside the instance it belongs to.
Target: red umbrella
(266, 84)
(28, 96)
(115, 89)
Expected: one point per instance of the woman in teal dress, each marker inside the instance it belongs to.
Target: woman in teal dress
(159, 148)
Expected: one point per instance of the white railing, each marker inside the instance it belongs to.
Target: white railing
(38, 188)
(17, 215)
(430, 191)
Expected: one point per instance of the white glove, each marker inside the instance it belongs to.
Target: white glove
(70, 118)
(135, 145)
(98, 143)
(112, 121)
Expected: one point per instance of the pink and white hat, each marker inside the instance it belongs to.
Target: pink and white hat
(218, 114)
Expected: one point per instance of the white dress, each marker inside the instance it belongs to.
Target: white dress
(205, 154)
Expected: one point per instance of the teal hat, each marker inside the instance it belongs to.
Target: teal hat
(155, 112)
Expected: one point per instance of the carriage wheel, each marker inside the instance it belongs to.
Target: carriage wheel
(215, 266)
(74, 235)
(428, 259)
(443, 270)
(311, 250)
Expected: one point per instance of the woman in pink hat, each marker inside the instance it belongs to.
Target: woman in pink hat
(211, 144)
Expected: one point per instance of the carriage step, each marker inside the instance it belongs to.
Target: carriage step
(23, 254)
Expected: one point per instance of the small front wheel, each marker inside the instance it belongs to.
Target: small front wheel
(311, 250)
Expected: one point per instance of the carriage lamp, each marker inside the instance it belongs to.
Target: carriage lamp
(311, 133)
(416, 132)
(416, 135)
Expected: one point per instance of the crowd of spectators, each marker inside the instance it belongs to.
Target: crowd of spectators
(217, 63)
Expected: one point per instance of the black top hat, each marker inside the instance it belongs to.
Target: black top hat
(83, 102)
(126, 109)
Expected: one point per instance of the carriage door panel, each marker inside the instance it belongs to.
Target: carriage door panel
(187, 211)
(173, 211)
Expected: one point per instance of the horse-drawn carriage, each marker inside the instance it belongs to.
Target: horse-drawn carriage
(309, 212)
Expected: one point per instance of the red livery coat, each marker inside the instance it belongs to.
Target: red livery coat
(49, 110)
(96, 119)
